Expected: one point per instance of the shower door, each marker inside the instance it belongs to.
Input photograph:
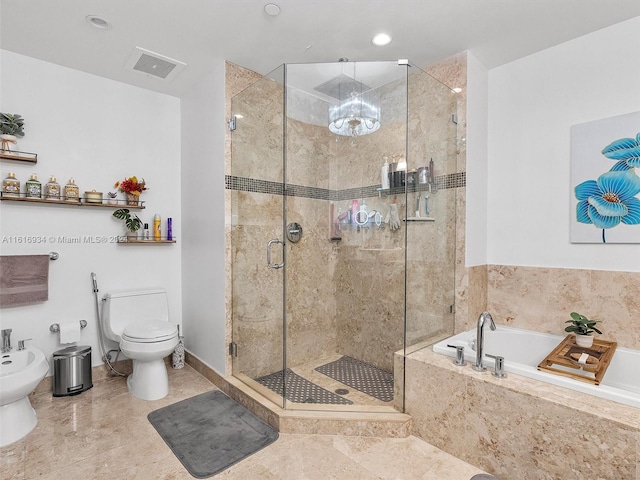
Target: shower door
(345, 283)
(256, 189)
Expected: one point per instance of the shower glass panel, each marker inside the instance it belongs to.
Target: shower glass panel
(344, 294)
(431, 229)
(256, 184)
(367, 272)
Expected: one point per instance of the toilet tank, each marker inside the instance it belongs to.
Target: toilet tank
(126, 307)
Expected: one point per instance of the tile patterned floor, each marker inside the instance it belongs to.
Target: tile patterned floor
(104, 433)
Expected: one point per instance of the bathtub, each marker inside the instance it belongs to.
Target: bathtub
(523, 350)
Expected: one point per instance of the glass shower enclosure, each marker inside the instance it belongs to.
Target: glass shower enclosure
(343, 179)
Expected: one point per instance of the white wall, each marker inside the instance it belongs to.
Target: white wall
(477, 162)
(97, 131)
(533, 102)
(203, 248)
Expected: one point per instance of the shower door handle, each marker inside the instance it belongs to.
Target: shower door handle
(274, 265)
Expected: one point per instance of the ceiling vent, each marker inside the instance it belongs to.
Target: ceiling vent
(154, 64)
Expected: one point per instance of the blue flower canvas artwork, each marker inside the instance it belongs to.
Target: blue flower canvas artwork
(605, 169)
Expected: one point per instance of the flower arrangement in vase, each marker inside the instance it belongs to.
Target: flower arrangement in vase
(132, 188)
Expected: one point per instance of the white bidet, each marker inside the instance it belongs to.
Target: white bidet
(20, 374)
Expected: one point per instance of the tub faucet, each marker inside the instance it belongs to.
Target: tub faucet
(484, 316)
(6, 340)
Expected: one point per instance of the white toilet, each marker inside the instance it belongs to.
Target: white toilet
(139, 321)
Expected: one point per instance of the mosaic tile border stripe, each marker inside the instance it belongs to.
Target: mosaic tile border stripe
(246, 184)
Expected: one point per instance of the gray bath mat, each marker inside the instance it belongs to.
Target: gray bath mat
(300, 390)
(210, 432)
(366, 378)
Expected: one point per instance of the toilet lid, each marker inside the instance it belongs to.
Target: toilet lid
(152, 331)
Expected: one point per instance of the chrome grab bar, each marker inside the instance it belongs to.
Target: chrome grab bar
(273, 265)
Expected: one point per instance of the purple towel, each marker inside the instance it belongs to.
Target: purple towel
(24, 279)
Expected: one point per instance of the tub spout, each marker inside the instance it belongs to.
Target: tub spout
(482, 319)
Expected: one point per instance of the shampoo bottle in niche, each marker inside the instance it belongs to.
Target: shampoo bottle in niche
(384, 174)
(157, 234)
(355, 208)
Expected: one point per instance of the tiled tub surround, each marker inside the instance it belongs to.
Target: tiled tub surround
(514, 296)
(519, 428)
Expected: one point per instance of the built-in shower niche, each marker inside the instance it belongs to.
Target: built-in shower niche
(336, 306)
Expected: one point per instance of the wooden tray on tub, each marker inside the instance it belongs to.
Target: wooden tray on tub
(589, 363)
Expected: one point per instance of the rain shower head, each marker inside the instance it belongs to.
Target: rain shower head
(341, 87)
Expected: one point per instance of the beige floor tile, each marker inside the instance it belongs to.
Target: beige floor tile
(104, 434)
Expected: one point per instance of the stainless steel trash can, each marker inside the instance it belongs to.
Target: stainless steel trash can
(71, 370)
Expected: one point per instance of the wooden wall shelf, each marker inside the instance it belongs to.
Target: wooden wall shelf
(19, 156)
(81, 203)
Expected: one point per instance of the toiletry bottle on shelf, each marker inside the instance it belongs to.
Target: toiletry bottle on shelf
(393, 167)
(33, 187)
(157, 234)
(169, 228)
(384, 174)
(71, 191)
(145, 232)
(11, 185)
(402, 168)
(52, 189)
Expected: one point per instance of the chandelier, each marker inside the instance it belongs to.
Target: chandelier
(354, 116)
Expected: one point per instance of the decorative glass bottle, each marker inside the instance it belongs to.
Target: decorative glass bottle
(33, 187)
(52, 189)
(11, 185)
(71, 191)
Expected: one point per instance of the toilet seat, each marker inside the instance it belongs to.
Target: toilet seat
(150, 332)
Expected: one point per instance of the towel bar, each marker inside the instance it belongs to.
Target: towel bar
(55, 327)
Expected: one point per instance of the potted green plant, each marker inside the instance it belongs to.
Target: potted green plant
(132, 222)
(11, 126)
(583, 329)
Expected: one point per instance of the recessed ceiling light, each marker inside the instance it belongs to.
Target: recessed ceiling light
(381, 39)
(98, 22)
(271, 9)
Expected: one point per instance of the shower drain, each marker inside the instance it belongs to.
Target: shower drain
(341, 391)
